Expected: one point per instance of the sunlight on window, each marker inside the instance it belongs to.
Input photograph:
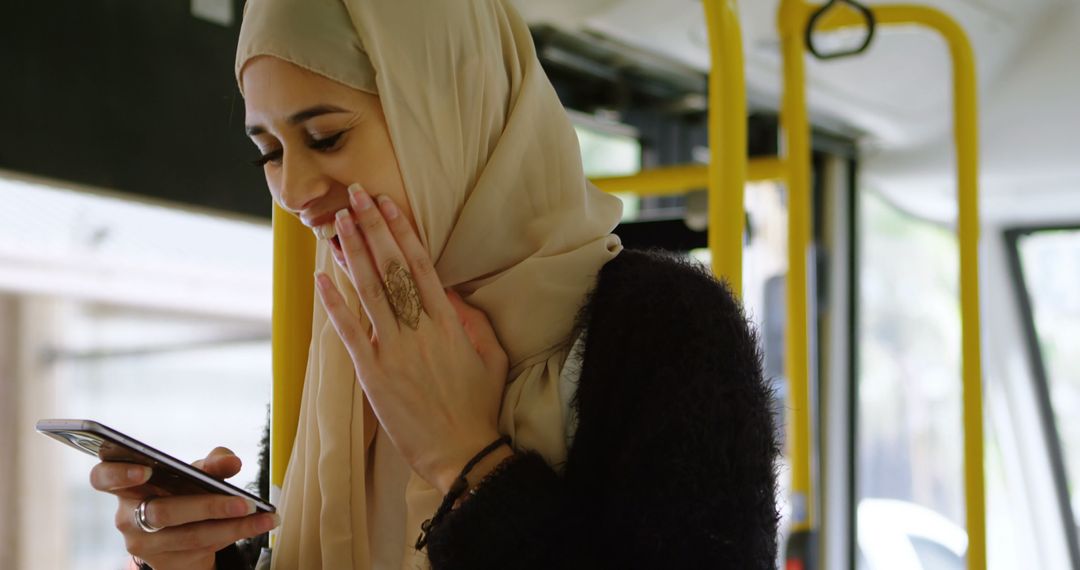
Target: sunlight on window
(1051, 264)
(910, 436)
(150, 318)
(609, 154)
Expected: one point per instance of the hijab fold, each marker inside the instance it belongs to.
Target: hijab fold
(493, 174)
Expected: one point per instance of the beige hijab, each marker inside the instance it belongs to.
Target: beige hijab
(493, 173)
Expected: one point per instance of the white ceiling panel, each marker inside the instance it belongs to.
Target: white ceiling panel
(1028, 124)
(898, 98)
(898, 94)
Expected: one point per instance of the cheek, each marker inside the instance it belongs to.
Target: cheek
(374, 164)
(392, 184)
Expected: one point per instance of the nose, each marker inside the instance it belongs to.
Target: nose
(301, 183)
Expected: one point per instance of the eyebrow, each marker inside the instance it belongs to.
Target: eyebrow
(297, 118)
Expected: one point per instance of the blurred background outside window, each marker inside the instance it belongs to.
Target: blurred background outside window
(1051, 267)
(150, 318)
(909, 457)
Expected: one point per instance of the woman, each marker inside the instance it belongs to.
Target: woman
(422, 143)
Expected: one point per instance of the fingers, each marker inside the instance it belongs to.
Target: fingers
(385, 253)
(216, 535)
(220, 452)
(221, 463)
(419, 262)
(345, 323)
(203, 536)
(166, 512)
(480, 332)
(114, 477)
(365, 275)
(193, 527)
(459, 306)
(373, 239)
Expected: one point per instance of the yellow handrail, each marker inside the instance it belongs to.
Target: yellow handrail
(795, 152)
(727, 141)
(294, 267)
(677, 180)
(794, 15)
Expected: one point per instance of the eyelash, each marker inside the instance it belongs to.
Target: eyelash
(325, 145)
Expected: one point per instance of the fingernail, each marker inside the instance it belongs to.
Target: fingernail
(359, 197)
(345, 221)
(138, 474)
(269, 522)
(241, 507)
(388, 206)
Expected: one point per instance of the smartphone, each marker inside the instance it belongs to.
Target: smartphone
(170, 475)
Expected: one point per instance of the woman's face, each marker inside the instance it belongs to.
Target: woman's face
(316, 137)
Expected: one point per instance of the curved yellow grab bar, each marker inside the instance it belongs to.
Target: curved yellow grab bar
(966, 126)
(794, 14)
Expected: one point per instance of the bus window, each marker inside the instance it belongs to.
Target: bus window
(910, 437)
(134, 315)
(610, 150)
(1050, 261)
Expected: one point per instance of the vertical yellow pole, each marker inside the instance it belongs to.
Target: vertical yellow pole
(727, 141)
(795, 125)
(965, 105)
(294, 265)
(966, 125)
(965, 118)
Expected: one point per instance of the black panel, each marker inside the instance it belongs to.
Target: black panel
(131, 95)
(667, 234)
(138, 96)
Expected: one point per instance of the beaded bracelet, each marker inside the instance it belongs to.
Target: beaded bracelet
(456, 490)
(475, 489)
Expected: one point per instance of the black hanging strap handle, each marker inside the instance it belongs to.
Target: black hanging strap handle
(866, 13)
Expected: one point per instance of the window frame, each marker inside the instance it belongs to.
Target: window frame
(1040, 380)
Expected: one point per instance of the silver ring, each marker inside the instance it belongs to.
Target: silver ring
(141, 520)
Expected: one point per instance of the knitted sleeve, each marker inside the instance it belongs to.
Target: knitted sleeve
(228, 558)
(673, 462)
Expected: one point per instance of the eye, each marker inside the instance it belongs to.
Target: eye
(326, 144)
(272, 156)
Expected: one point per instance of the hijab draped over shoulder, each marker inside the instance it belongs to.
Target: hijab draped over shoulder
(493, 174)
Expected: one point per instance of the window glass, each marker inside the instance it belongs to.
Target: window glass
(151, 319)
(608, 154)
(611, 154)
(1051, 266)
(181, 384)
(910, 437)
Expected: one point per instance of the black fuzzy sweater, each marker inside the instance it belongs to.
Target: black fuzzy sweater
(673, 461)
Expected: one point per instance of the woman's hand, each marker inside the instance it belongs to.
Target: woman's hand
(194, 527)
(433, 368)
